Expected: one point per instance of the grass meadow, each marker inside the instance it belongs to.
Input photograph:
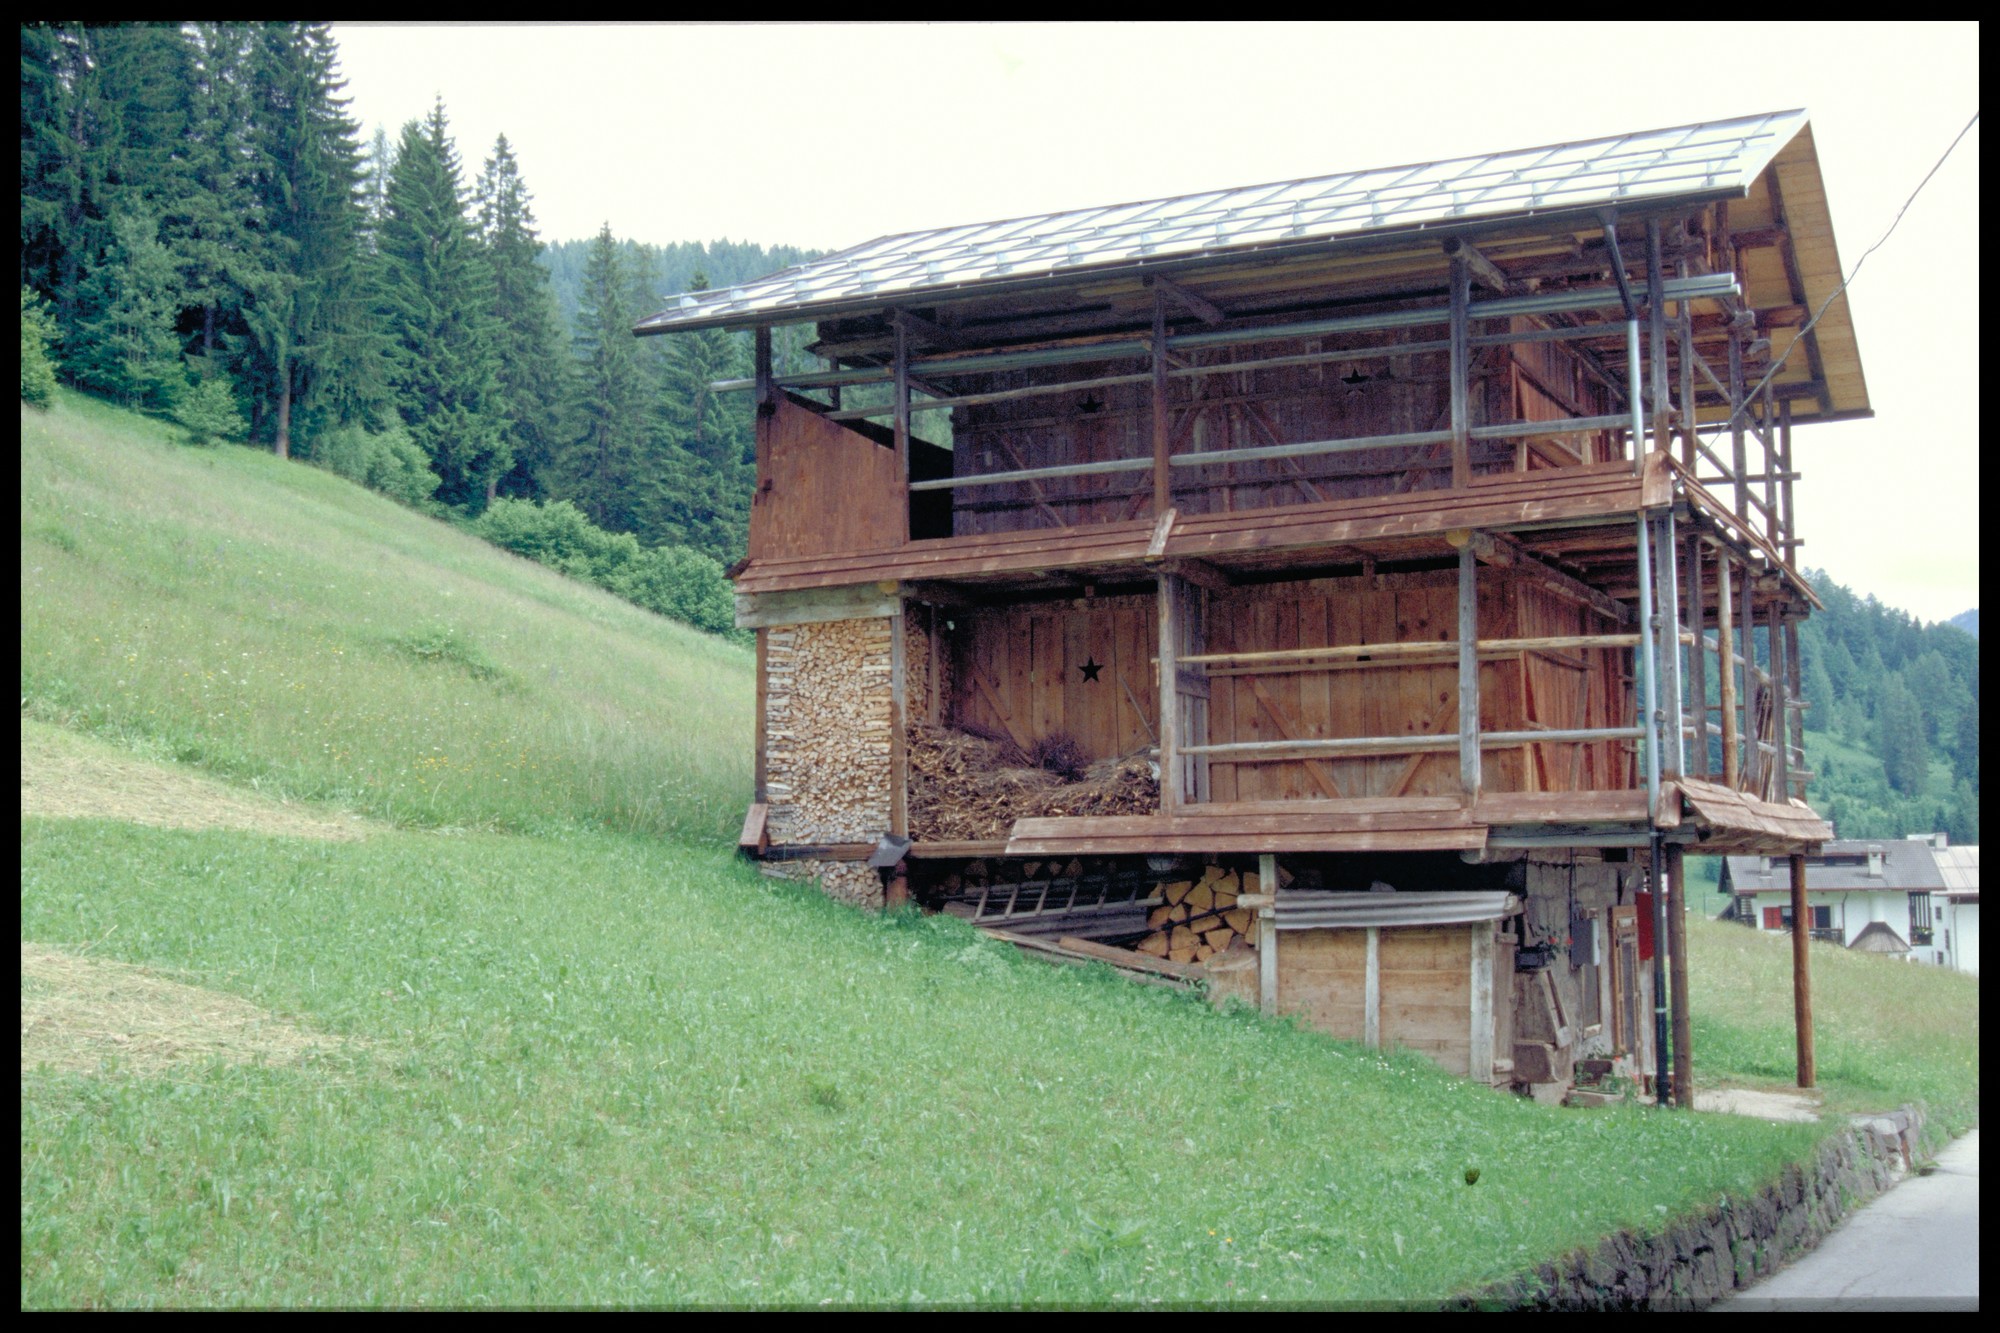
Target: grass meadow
(575, 1052)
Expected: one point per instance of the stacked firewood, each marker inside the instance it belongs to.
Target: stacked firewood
(1198, 918)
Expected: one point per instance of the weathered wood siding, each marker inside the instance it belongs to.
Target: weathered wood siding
(1382, 395)
(821, 489)
(1019, 672)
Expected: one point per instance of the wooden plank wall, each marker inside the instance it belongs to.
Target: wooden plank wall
(821, 489)
(1413, 699)
(1387, 394)
(1425, 982)
(1572, 688)
(1018, 671)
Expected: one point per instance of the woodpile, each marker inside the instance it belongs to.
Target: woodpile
(967, 788)
(827, 730)
(1198, 918)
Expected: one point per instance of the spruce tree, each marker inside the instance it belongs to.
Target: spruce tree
(438, 291)
(601, 470)
(304, 309)
(534, 365)
(127, 349)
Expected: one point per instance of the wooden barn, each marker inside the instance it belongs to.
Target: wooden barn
(1359, 592)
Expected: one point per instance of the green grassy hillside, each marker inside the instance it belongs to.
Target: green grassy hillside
(561, 1047)
(275, 624)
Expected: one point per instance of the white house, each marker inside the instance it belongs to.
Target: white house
(1887, 897)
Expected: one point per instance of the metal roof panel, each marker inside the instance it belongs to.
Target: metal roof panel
(1714, 156)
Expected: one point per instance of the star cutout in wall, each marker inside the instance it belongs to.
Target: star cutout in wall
(1090, 668)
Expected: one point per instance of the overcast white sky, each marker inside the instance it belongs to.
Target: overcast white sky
(826, 136)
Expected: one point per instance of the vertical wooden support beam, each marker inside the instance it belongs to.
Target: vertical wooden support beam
(1163, 486)
(1267, 934)
(1371, 993)
(767, 397)
(1787, 520)
(1479, 1064)
(1737, 407)
(1770, 438)
(1697, 620)
(1802, 973)
(1169, 658)
(1468, 672)
(1647, 669)
(1461, 372)
(1753, 758)
(1656, 340)
(1677, 963)
(1781, 762)
(1666, 599)
(1725, 666)
(902, 377)
(899, 706)
(933, 645)
(1684, 320)
(1797, 727)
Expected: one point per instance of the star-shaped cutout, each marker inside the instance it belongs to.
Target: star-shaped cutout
(1090, 668)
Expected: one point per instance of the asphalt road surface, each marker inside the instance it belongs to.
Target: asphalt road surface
(1914, 1248)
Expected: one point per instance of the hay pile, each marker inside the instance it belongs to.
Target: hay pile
(966, 788)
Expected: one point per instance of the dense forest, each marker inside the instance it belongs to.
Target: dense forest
(205, 236)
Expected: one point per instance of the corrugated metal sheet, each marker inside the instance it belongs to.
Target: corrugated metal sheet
(1346, 911)
(1708, 159)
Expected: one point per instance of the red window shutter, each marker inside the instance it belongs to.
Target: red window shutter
(1774, 918)
(1644, 902)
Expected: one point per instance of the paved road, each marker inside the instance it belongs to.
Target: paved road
(1915, 1248)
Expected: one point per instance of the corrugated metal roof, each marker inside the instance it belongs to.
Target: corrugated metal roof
(1712, 158)
(1313, 910)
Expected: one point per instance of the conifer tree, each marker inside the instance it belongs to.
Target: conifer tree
(304, 309)
(534, 366)
(127, 349)
(601, 470)
(438, 290)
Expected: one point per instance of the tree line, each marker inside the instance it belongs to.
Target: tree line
(204, 235)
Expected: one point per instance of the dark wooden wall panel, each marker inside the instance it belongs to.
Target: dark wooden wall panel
(1020, 672)
(821, 489)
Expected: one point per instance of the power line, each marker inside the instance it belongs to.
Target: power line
(1852, 273)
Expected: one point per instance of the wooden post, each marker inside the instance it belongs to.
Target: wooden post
(1656, 343)
(1802, 972)
(1479, 1062)
(1788, 520)
(1170, 758)
(902, 376)
(1797, 728)
(1697, 619)
(1781, 762)
(1725, 635)
(1267, 934)
(1461, 370)
(1685, 320)
(1163, 488)
(1371, 994)
(1677, 962)
(1667, 643)
(1737, 407)
(1468, 672)
(1771, 467)
(767, 398)
(1753, 758)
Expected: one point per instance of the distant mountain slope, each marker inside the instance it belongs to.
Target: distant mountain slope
(1967, 621)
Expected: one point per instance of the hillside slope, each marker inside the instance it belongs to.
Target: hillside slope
(539, 1038)
(273, 623)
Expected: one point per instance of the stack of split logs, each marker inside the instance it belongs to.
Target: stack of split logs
(1198, 918)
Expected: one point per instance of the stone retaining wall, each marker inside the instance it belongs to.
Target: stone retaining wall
(1698, 1261)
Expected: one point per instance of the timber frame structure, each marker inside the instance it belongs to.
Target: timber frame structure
(1432, 524)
